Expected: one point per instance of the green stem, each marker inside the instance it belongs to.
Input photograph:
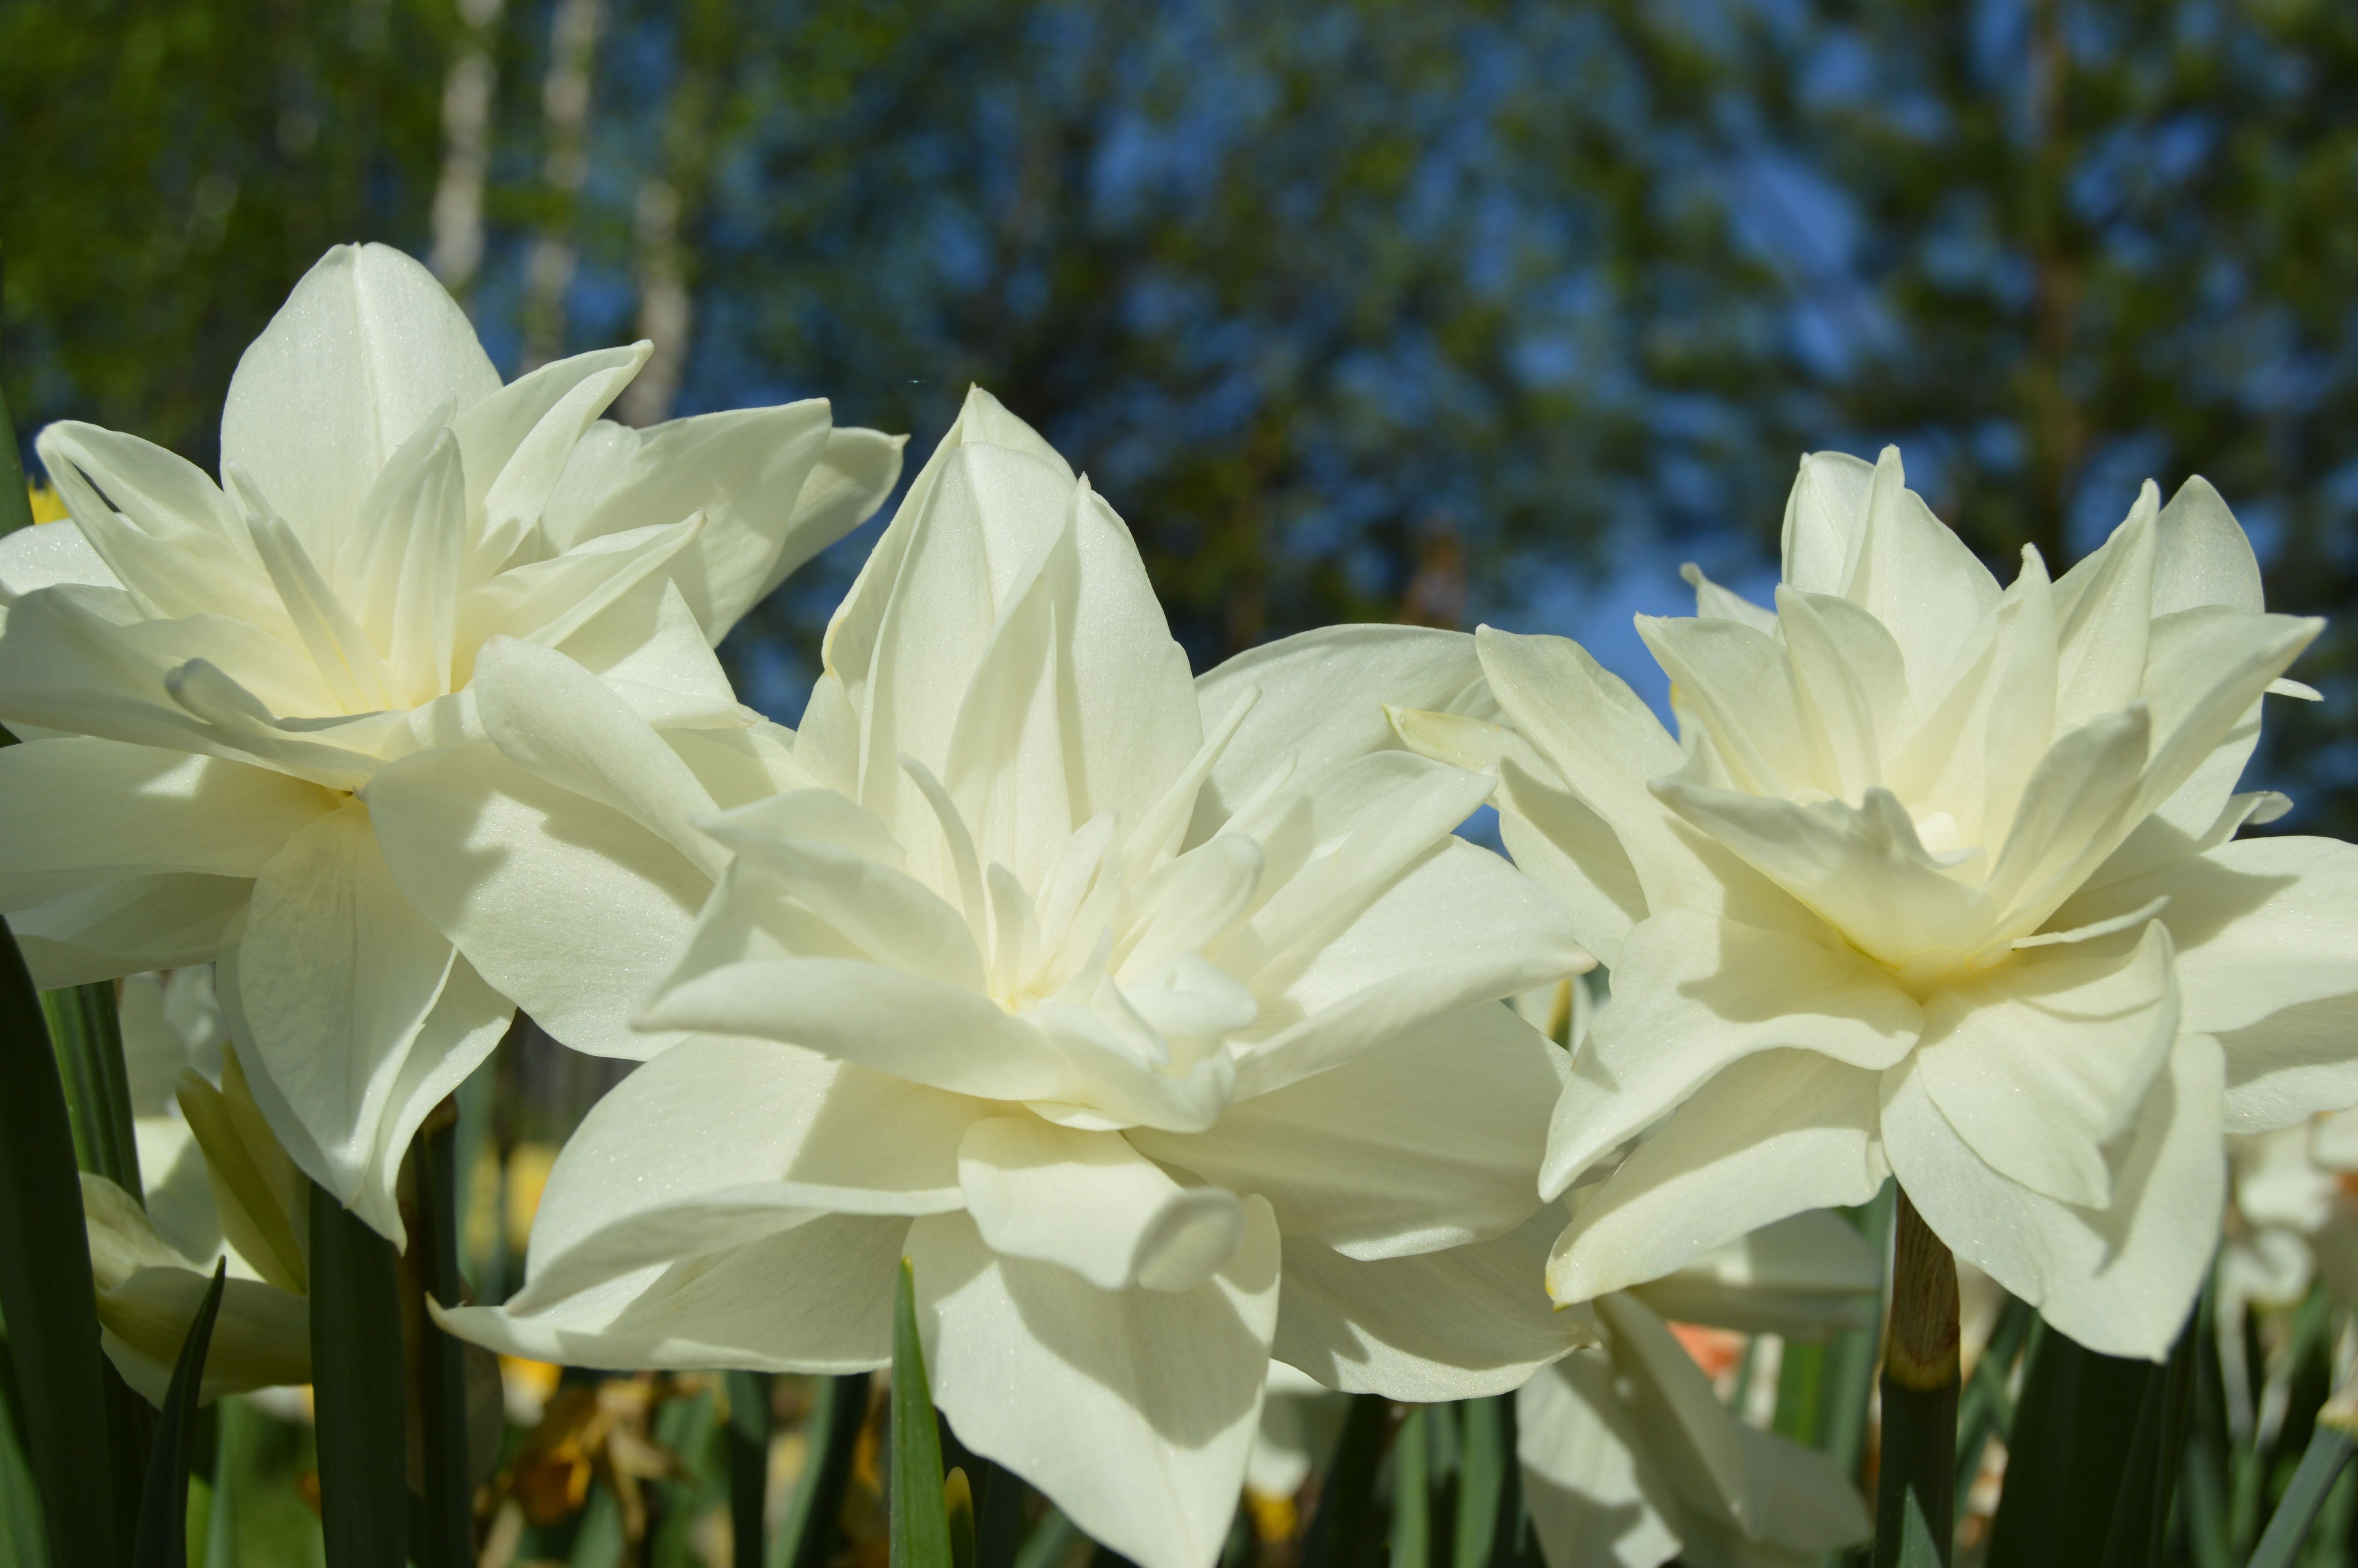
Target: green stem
(1343, 1533)
(88, 1038)
(357, 1380)
(448, 1512)
(1915, 1491)
(749, 1464)
(2330, 1448)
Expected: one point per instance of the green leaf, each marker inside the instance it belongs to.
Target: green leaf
(2098, 1442)
(806, 1538)
(2330, 1448)
(920, 1517)
(357, 1384)
(749, 1464)
(22, 1542)
(449, 1537)
(1983, 1410)
(46, 1293)
(162, 1540)
(15, 502)
(1343, 1532)
(999, 1529)
(1485, 1477)
(88, 1038)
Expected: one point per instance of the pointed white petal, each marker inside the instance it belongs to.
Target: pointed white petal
(1824, 511)
(1597, 1500)
(467, 1020)
(1090, 1202)
(1736, 679)
(165, 921)
(366, 348)
(1157, 1396)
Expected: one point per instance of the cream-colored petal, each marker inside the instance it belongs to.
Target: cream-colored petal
(1739, 681)
(46, 555)
(1455, 1325)
(2118, 1280)
(84, 812)
(1909, 570)
(1090, 1202)
(366, 346)
(336, 973)
(1596, 1499)
(262, 1334)
(165, 921)
(1427, 1141)
(525, 877)
(1804, 1277)
(1157, 1396)
(1823, 514)
(1778, 1132)
(1694, 995)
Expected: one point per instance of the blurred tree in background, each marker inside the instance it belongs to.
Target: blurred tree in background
(1355, 309)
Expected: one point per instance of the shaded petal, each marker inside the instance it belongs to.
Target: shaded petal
(526, 877)
(366, 346)
(1386, 973)
(717, 1143)
(336, 973)
(1777, 1133)
(1427, 1141)
(1739, 681)
(1596, 1499)
(1693, 995)
(2117, 1279)
(1157, 1395)
(1604, 744)
(1091, 1202)
(1322, 696)
(519, 439)
(1455, 1325)
(83, 811)
(166, 922)
(817, 1298)
(1804, 1276)
(2267, 932)
(2046, 1058)
(261, 1335)
(467, 1020)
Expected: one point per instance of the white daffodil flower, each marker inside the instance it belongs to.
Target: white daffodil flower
(1155, 1020)
(1940, 881)
(210, 677)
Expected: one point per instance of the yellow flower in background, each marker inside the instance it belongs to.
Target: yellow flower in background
(48, 505)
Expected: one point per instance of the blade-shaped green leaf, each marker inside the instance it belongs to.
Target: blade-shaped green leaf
(2329, 1449)
(357, 1379)
(998, 1526)
(88, 1037)
(1484, 1470)
(162, 1540)
(921, 1526)
(16, 502)
(749, 1464)
(1344, 1533)
(806, 1538)
(46, 1293)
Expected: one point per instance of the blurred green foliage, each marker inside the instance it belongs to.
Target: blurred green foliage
(1353, 307)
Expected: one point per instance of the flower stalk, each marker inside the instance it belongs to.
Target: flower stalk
(1916, 1477)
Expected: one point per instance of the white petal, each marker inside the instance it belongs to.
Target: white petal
(2265, 943)
(1693, 995)
(2118, 1280)
(1455, 1325)
(83, 812)
(1908, 569)
(853, 477)
(2106, 604)
(366, 348)
(550, 600)
(1322, 702)
(526, 877)
(1804, 1276)
(1386, 972)
(914, 1028)
(647, 646)
(518, 440)
(740, 468)
(548, 714)
(1714, 603)
(46, 555)
(1606, 744)
(2202, 555)
(1850, 689)
(1777, 1133)
(1595, 1500)
(817, 1298)
(467, 1020)
(1157, 1396)
(2047, 1059)
(336, 973)
(1738, 680)
(1427, 1141)
(399, 568)
(1823, 514)
(261, 1335)
(1089, 1202)
(164, 922)
(700, 1130)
